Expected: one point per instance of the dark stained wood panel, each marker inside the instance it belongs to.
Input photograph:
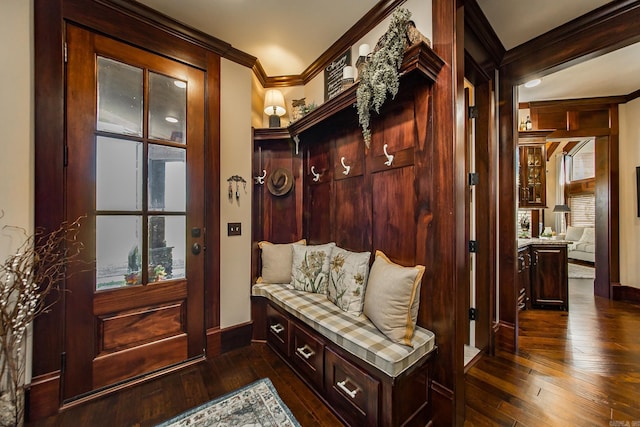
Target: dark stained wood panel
(137, 361)
(352, 209)
(394, 206)
(129, 329)
(318, 213)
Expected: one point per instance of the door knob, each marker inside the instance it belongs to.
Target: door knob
(196, 248)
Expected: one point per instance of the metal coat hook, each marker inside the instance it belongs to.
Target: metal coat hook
(237, 179)
(389, 156)
(260, 179)
(316, 176)
(347, 169)
(296, 139)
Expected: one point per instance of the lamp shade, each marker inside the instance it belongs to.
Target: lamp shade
(274, 103)
(561, 208)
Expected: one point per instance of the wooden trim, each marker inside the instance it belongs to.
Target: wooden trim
(214, 342)
(170, 26)
(577, 103)
(477, 22)
(43, 389)
(603, 30)
(506, 337)
(632, 96)
(625, 293)
(236, 336)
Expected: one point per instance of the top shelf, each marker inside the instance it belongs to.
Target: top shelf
(417, 58)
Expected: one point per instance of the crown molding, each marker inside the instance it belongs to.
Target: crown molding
(477, 22)
(169, 25)
(600, 31)
(632, 96)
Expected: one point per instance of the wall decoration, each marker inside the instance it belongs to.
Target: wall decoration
(237, 179)
(333, 75)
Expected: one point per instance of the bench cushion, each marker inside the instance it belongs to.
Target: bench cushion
(355, 334)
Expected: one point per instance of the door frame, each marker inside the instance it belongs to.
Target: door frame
(138, 26)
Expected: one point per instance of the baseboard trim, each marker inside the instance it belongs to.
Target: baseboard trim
(506, 337)
(43, 396)
(236, 336)
(625, 293)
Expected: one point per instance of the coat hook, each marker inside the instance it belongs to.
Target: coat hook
(389, 156)
(347, 169)
(316, 176)
(260, 179)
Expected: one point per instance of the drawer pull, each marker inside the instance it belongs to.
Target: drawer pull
(277, 328)
(305, 351)
(352, 393)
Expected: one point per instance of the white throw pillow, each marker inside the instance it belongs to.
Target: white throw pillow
(589, 235)
(310, 267)
(392, 298)
(348, 272)
(276, 261)
(574, 233)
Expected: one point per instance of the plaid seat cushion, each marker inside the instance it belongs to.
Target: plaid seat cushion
(356, 334)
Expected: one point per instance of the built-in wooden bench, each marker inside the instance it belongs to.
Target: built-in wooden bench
(365, 378)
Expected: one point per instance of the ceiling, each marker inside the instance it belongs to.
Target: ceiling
(289, 35)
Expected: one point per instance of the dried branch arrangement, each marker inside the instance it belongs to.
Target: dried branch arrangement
(29, 286)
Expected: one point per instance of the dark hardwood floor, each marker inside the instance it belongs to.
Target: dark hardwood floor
(160, 399)
(580, 368)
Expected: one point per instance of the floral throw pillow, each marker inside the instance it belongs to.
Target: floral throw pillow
(310, 267)
(348, 272)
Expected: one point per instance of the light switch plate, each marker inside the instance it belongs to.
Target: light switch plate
(234, 229)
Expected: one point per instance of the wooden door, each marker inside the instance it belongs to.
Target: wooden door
(135, 168)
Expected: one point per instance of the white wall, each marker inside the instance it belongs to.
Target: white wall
(629, 221)
(236, 152)
(16, 144)
(16, 110)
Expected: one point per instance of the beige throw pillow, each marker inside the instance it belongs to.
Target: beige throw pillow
(276, 261)
(392, 298)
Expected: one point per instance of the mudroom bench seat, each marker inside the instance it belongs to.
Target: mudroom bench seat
(363, 376)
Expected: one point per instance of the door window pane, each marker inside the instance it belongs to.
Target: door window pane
(167, 178)
(167, 250)
(118, 251)
(118, 174)
(120, 88)
(167, 108)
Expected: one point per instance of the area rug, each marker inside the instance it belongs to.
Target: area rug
(577, 271)
(257, 404)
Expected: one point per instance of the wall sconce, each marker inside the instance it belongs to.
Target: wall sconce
(274, 107)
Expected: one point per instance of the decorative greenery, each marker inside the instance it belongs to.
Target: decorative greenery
(380, 74)
(27, 278)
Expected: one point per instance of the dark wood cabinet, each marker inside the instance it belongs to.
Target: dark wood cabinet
(532, 181)
(549, 276)
(524, 278)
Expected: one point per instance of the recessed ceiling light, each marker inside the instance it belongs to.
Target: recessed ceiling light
(533, 83)
(171, 119)
(180, 84)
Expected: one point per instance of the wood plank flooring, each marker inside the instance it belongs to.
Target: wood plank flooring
(580, 368)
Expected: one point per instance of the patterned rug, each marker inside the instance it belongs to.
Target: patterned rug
(577, 271)
(257, 404)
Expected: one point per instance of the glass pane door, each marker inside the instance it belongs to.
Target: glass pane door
(140, 176)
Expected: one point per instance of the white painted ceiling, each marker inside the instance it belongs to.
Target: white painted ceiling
(289, 35)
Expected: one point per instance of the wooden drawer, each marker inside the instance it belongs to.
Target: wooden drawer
(278, 331)
(351, 391)
(308, 356)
